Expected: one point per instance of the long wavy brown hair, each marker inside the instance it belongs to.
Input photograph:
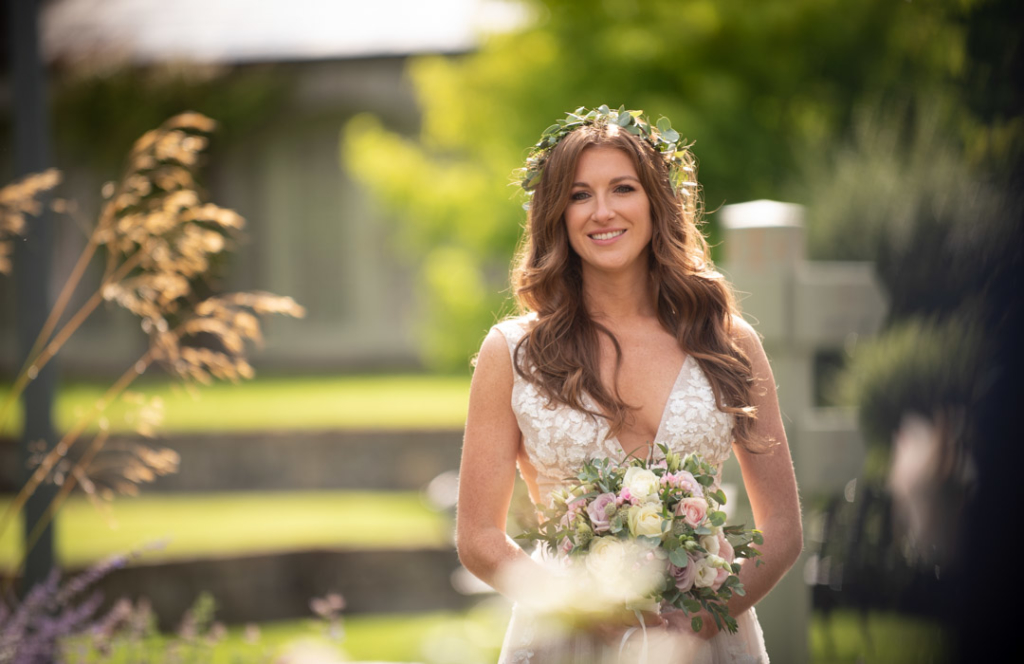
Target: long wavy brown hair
(560, 352)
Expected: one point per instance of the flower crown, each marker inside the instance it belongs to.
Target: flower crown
(662, 137)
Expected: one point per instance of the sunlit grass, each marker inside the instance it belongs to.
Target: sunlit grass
(274, 403)
(881, 638)
(250, 523)
(475, 636)
(432, 638)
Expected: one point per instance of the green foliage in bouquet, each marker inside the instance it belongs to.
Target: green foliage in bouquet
(663, 518)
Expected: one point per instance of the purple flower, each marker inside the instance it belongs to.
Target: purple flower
(684, 576)
(601, 510)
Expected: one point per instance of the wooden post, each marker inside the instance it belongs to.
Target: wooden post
(32, 260)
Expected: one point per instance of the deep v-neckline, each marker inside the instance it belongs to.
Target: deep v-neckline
(661, 423)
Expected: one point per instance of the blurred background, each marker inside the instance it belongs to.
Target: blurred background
(861, 164)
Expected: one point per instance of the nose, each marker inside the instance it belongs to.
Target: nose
(603, 212)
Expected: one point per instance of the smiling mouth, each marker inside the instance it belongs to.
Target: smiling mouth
(607, 235)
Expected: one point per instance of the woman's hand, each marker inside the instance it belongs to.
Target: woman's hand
(678, 621)
(611, 629)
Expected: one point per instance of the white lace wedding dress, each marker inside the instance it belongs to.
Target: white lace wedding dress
(557, 440)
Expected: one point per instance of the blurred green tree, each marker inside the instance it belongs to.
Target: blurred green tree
(757, 85)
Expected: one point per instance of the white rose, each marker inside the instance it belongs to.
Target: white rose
(642, 483)
(645, 520)
(710, 544)
(706, 574)
(606, 557)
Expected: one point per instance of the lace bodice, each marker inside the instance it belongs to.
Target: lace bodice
(558, 439)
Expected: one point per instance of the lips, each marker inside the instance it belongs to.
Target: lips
(607, 235)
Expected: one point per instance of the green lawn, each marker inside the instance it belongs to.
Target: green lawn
(882, 638)
(475, 636)
(211, 524)
(387, 401)
(432, 638)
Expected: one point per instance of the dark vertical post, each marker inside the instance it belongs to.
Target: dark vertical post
(32, 259)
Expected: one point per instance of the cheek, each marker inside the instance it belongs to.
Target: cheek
(574, 229)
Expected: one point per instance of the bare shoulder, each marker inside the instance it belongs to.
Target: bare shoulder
(747, 338)
(494, 356)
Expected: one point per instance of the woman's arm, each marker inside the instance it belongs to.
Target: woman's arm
(488, 469)
(770, 484)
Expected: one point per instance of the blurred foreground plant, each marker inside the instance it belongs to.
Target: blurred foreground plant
(159, 237)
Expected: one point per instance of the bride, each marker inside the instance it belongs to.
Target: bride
(629, 339)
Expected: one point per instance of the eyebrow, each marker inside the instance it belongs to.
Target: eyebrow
(614, 180)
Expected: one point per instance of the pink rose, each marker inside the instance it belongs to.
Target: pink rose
(693, 511)
(723, 574)
(601, 510)
(725, 549)
(573, 510)
(566, 546)
(684, 576)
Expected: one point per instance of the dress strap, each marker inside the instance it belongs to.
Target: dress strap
(514, 329)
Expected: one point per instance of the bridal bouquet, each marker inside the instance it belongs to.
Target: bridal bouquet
(650, 534)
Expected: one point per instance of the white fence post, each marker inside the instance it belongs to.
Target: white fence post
(799, 308)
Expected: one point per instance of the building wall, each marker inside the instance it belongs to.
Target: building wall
(311, 234)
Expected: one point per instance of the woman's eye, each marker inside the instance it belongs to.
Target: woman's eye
(579, 195)
(625, 188)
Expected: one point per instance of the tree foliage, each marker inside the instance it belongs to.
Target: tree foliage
(757, 86)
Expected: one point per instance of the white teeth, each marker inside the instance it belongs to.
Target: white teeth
(607, 236)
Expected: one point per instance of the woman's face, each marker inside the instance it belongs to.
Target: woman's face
(608, 218)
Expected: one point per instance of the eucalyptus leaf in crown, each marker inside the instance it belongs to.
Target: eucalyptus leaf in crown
(661, 136)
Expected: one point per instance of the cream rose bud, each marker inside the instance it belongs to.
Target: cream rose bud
(645, 520)
(706, 575)
(642, 483)
(710, 544)
(717, 562)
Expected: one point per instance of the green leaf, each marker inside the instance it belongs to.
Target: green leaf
(758, 538)
(697, 623)
(691, 605)
(703, 530)
(664, 125)
(625, 119)
(671, 135)
(719, 496)
(717, 518)
(678, 557)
